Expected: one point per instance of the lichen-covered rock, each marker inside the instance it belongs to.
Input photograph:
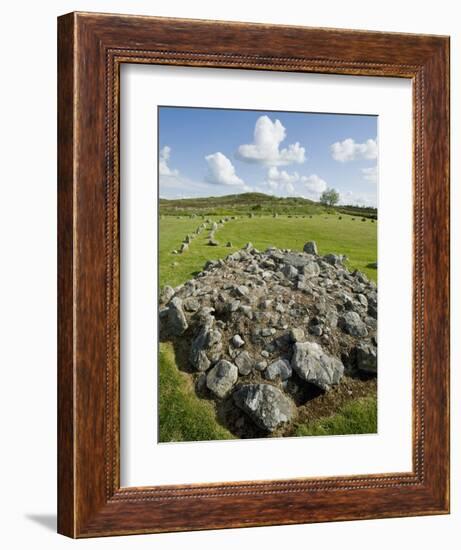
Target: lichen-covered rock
(176, 319)
(166, 294)
(206, 344)
(351, 323)
(266, 405)
(311, 269)
(278, 370)
(244, 363)
(221, 378)
(313, 365)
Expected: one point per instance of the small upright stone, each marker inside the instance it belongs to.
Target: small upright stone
(177, 323)
(310, 248)
(166, 294)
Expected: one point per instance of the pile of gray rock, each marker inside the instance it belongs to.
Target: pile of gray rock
(260, 326)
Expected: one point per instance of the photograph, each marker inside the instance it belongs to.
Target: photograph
(267, 273)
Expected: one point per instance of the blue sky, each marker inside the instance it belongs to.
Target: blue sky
(212, 152)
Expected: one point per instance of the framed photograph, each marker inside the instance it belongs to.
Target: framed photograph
(228, 354)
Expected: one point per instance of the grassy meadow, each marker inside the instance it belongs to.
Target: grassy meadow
(183, 416)
(348, 236)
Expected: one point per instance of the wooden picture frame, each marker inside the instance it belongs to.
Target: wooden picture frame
(92, 47)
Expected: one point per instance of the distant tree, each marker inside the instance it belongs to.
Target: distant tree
(330, 197)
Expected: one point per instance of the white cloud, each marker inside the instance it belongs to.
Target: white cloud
(164, 157)
(357, 199)
(283, 183)
(265, 150)
(344, 151)
(221, 171)
(370, 174)
(314, 184)
(280, 181)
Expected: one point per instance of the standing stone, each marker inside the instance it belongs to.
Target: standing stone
(313, 365)
(166, 294)
(266, 405)
(221, 378)
(310, 248)
(176, 320)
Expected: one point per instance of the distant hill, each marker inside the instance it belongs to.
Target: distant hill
(256, 203)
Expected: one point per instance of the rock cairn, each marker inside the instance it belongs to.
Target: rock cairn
(260, 326)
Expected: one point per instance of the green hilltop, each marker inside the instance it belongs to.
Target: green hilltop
(254, 203)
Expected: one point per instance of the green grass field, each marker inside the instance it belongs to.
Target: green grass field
(356, 239)
(358, 417)
(183, 415)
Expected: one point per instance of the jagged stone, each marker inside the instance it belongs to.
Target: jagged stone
(166, 294)
(313, 365)
(244, 363)
(221, 378)
(176, 319)
(266, 405)
(278, 370)
(351, 323)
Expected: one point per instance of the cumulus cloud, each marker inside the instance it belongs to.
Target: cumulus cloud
(265, 148)
(221, 171)
(283, 183)
(314, 185)
(370, 174)
(347, 150)
(164, 157)
(357, 199)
